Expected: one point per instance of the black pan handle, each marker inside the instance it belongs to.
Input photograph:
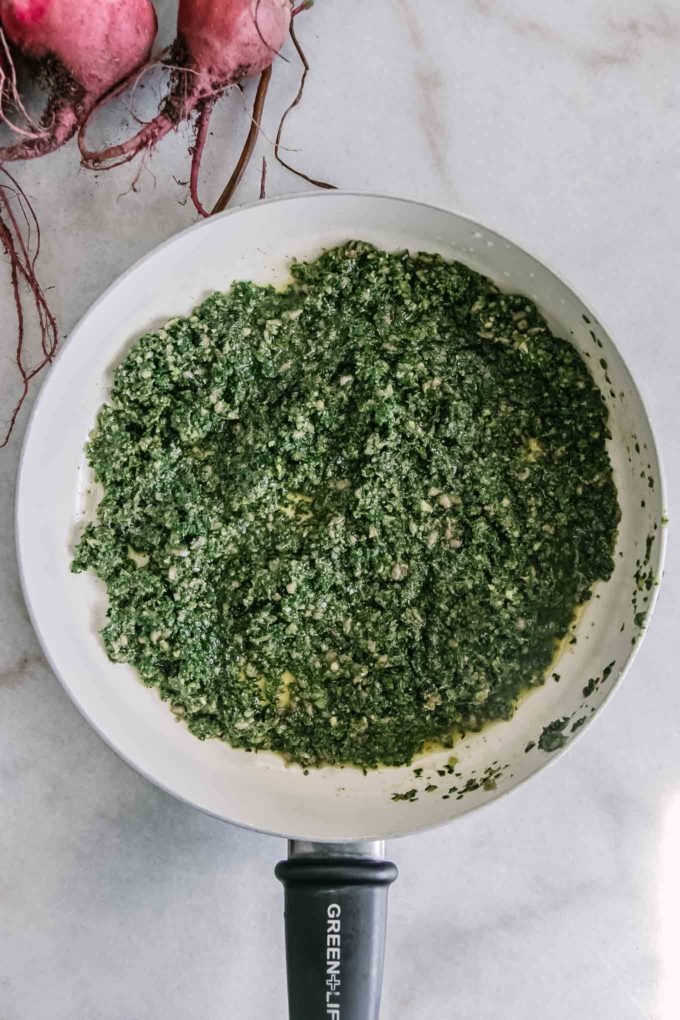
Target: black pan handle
(336, 910)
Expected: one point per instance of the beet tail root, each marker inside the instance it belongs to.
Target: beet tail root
(63, 121)
(20, 238)
(185, 97)
(113, 155)
(206, 108)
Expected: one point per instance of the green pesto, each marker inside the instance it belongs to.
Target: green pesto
(346, 518)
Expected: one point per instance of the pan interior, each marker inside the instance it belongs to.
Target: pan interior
(55, 496)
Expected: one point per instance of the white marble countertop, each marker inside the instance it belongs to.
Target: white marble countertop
(562, 130)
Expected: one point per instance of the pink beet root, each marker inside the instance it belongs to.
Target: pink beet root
(218, 43)
(84, 47)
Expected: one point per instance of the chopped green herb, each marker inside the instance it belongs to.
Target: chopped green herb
(409, 795)
(353, 516)
(552, 737)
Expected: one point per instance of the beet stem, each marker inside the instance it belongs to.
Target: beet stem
(247, 151)
(263, 178)
(304, 6)
(289, 109)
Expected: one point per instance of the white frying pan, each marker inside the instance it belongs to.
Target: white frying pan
(336, 880)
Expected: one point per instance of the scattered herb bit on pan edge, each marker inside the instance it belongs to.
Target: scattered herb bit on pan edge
(353, 516)
(553, 737)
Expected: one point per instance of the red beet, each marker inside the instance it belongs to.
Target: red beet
(218, 43)
(83, 47)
